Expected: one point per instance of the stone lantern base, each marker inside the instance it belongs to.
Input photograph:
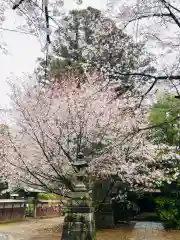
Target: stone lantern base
(79, 226)
(79, 222)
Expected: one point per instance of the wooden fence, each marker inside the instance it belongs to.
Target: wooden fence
(12, 210)
(16, 210)
(48, 208)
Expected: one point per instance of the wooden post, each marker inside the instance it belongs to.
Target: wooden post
(35, 205)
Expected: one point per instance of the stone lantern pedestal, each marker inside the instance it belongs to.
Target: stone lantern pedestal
(79, 221)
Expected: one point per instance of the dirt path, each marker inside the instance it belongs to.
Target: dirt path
(50, 229)
(30, 229)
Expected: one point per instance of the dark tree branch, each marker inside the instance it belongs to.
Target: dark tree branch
(165, 77)
(159, 124)
(40, 8)
(149, 16)
(46, 64)
(51, 164)
(151, 87)
(16, 31)
(66, 181)
(66, 153)
(178, 97)
(174, 85)
(26, 167)
(47, 23)
(18, 4)
(156, 78)
(172, 15)
(170, 5)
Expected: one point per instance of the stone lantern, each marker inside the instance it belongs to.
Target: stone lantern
(79, 223)
(80, 164)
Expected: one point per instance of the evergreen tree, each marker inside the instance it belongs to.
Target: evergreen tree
(89, 40)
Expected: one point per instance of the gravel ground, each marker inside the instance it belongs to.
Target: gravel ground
(50, 229)
(31, 229)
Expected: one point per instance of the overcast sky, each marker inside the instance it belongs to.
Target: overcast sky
(23, 50)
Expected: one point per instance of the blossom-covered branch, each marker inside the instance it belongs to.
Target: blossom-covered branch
(52, 125)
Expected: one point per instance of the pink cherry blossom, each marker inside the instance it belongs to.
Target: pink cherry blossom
(52, 125)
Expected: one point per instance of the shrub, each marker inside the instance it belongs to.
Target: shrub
(168, 210)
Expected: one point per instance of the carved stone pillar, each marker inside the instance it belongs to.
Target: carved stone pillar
(79, 223)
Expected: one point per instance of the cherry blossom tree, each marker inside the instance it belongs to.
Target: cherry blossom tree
(52, 126)
(158, 23)
(41, 17)
(108, 135)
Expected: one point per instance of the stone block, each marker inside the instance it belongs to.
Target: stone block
(104, 220)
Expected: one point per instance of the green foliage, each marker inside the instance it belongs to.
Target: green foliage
(88, 38)
(58, 66)
(4, 128)
(48, 196)
(168, 209)
(165, 114)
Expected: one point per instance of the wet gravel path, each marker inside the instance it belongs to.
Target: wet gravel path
(30, 229)
(50, 229)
